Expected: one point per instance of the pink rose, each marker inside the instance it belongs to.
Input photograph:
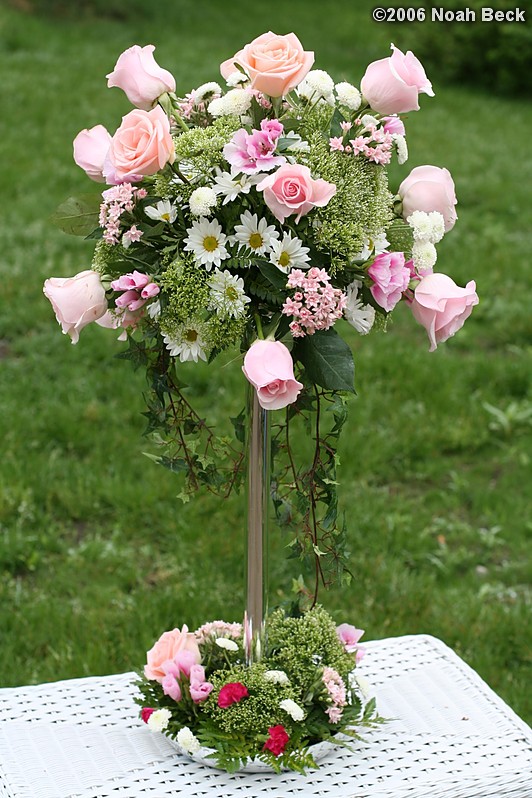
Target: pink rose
(76, 301)
(90, 150)
(292, 190)
(269, 368)
(390, 278)
(392, 85)
(442, 307)
(349, 635)
(139, 75)
(232, 693)
(166, 648)
(141, 146)
(429, 188)
(275, 64)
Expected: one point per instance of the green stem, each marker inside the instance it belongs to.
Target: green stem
(258, 322)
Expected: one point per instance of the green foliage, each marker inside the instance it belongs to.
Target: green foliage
(78, 216)
(328, 360)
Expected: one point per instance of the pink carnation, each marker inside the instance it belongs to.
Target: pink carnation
(390, 279)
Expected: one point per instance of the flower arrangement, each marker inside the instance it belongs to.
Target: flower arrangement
(258, 218)
(198, 689)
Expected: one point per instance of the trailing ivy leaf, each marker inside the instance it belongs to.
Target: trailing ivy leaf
(328, 360)
(78, 216)
(274, 275)
(336, 124)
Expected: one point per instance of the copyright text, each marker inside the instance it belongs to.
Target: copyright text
(448, 15)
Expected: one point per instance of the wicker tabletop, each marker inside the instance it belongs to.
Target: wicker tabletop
(448, 735)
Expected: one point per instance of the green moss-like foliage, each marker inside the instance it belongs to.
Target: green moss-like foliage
(200, 149)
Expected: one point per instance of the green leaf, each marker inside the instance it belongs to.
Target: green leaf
(336, 126)
(328, 360)
(78, 216)
(275, 276)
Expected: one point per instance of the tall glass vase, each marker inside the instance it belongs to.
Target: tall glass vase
(258, 499)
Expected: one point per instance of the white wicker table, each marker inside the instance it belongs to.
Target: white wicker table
(451, 736)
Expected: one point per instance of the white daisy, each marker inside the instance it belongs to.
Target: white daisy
(360, 316)
(227, 294)
(317, 85)
(348, 95)
(164, 211)
(371, 246)
(187, 342)
(289, 254)
(424, 255)
(277, 677)
(294, 710)
(202, 200)
(207, 241)
(206, 91)
(158, 720)
(228, 645)
(154, 309)
(188, 741)
(231, 185)
(258, 236)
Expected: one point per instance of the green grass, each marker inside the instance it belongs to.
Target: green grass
(97, 555)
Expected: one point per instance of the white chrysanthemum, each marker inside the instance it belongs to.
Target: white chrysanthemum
(294, 710)
(202, 201)
(164, 211)
(236, 78)
(158, 720)
(427, 226)
(188, 741)
(227, 294)
(348, 95)
(154, 309)
(424, 255)
(230, 186)
(216, 107)
(187, 342)
(277, 677)
(289, 254)
(402, 147)
(369, 121)
(237, 101)
(361, 317)
(228, 645)
(206, 241)
(206, 90)
(254, 234)
(317, 85)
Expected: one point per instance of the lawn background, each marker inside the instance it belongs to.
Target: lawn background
(97, 556)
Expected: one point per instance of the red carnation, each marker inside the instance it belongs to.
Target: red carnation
(277, 741)
(232, 693)
(145, 713)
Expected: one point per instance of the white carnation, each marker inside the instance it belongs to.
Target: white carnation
(293, 709)
(317, 85)
(158, 720)
(229, 645)
(424, 255)
(348, 95)
(188, 741)
(202, 200)
(277, 677)
(402, 147)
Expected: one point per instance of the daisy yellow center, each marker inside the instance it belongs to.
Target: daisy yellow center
(231, 293)
(191, 336)
(255, 241)
(284, 260)
(210, 243)
(165, 216)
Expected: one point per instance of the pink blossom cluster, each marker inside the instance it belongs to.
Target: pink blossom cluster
(116, 201)
(374, 142)
(316, 305)
(137, 290)
(255, 152)
(215, 629)
(335, 686)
